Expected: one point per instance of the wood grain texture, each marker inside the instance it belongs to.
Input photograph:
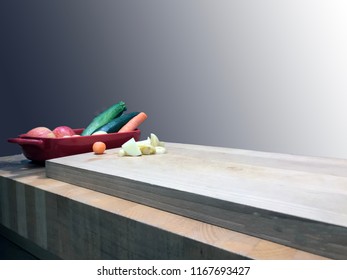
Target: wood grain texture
(293, 200)
(85, 224)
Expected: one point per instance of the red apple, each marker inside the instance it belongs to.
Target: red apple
(63, 131)
(41, 131)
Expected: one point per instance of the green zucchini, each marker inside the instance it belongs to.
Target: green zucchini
(117, 123)
(104, 118)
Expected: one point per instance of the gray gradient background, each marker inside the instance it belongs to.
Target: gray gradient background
(262, 75)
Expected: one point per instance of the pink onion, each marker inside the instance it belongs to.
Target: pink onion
(41, 131)
(63, 131)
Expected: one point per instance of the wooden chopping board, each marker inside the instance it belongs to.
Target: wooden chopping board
(294, 200)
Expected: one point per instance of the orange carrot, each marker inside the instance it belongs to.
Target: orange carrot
(134, 122)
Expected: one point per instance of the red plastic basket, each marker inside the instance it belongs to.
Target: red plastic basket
(41, 149)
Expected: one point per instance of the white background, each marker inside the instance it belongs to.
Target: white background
(87, 270)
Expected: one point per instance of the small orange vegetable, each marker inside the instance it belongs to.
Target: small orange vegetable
(99, 147)
(134, 122)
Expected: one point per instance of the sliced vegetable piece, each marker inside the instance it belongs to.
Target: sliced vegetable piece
(149, 146)
(130, 148)
(147, 149)
(154, 140)
(160, 150)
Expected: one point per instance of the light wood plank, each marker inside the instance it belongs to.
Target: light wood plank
(272, 196)
(176, 236)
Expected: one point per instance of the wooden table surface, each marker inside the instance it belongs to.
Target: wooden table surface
(71, 222)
